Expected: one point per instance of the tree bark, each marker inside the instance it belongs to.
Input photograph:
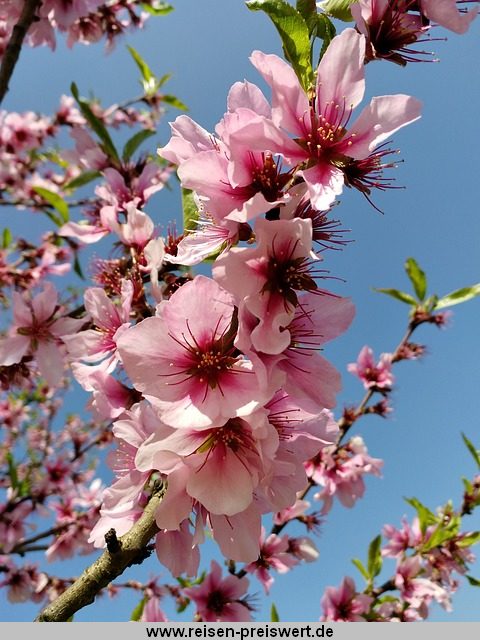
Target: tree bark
(129, 549)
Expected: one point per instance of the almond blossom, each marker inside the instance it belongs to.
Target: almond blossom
(322, 146)
(221, 599)
(373, 375)
(184, 360)
(345, 604)
(38, 331)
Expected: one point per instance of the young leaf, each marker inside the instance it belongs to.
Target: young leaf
(138, 611)
(472, 449)
(359, 564)
(308, 10)
(274, 617)
(77, 267)
(157, 8)
(339, 9)
(459, 296)
(12, 470)
(325, 31)
(173, 101)
(425, 516)
(96, 124)
(56, 201)
(6, 238)
(149, 81)
(375, 561)
(135, 141)
(190, 211)
(473, 581)
(399, 295)
(469, 540)
(417, 278)
(82, 180)
(294, 33)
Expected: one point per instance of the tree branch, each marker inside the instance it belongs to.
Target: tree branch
(111, 564)
(14, 46)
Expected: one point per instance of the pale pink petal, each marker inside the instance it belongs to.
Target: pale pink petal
(50, 362)
(238, 536)
(188, 138)
(177, 552)
(86, 233)
(289, 101)
(378, 121)
(341, 75)
(12, 349)
(44, 303)
(249, 96)
(446, 14)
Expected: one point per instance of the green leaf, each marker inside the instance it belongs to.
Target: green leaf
(190, 211)
(96, 124)
(294, 33)
(475, 453)
(399, 295)
(274, 617)
(473, 581)
(56, 201)
(469, 540)
(149, 81)
(417, 278)
(359, 564)
(138, 611)
(443, 533)
(77, 267)
(82, 180)
(339, 9)
(326, 31)
(425, 516)
(308, 10)
(135, 141)
(157, 8)
(459, 296)
(375, 561)
(12, 470)
(173, 101)
(6, 238)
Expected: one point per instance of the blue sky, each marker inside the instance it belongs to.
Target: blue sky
(206, 44)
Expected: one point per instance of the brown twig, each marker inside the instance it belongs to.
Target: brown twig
(14, 45)
(106, 568)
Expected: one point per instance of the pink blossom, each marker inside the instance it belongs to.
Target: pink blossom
(408, 537)
(184, 360)
(99, 345)
(319, 125)
(37, 330)
(345, 604)
(221, 599)
(273, 556)
(265, 280)
(389, 29)
(373, 375)
(152, 612)
(341, 473)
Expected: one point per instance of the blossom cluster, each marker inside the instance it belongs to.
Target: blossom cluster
(82, 21)
(212, 388)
